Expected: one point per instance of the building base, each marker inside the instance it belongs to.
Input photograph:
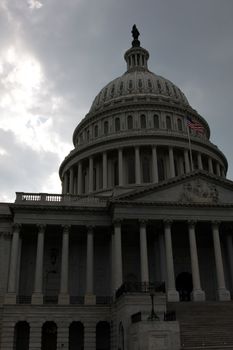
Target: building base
(10, 299)
(147, 335)
(224, 295)
(173, 296)
(37, 299)
(63, 299)
(90, 299)
(198, 295)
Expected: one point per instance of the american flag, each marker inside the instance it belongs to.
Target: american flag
(192, 124)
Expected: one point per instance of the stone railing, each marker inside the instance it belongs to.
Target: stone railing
(56, 199)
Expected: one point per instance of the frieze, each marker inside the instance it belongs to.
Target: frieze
(198, 191)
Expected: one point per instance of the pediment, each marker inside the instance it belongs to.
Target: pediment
(195, 188)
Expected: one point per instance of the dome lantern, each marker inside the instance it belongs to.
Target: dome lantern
(136, 57)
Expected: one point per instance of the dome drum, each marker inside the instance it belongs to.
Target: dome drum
(136, 163)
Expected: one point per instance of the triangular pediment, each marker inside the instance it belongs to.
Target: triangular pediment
(194, 188)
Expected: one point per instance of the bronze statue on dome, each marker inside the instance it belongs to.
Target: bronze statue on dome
(135, 34)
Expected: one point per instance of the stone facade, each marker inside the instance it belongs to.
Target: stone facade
(140, 216)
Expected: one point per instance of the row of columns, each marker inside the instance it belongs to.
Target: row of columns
(37, 296)
(68, 181)
(198, 294)
(117, 271)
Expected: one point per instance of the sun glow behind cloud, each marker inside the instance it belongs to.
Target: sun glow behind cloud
(24, 89)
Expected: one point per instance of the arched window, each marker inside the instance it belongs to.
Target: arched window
(49, 336)
(96, 130)
(76, 336)
(88, 135)
(103, 336)
(105, 127)
(179, 124)
(117, 124)
(143, 121)
(21, 336)
(130, 122)
(156, 121)
(168, 122)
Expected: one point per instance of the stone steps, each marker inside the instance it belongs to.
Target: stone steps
(207, 325)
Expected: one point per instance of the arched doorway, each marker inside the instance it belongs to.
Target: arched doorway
(21, 336)
(76, 336)
(184, 285)
(103, 336)
(49, 336)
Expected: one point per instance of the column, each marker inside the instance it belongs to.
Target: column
(71, 183)
(118, 255)
(186, 161)
(162, 256)
(143, 253)
(80, 177)
(105, 172)
(199, 161)
(230, 257)
(10, 297)
(64, 297)
(197, 294)
(171, 162)
(210, 165)
(137, 166)
(172, 294)
(37, 296)
(90, 175)
(90, 298)
(218, 169)
(223, 293)
(120, 166)
(154, 165)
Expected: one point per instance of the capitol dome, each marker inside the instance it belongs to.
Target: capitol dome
(138, 82)
(136, 134)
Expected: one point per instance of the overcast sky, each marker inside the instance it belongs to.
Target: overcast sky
(55, 56)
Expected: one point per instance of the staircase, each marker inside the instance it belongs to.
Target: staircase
(206, 325)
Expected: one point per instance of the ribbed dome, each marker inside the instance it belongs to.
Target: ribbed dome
(136, 83)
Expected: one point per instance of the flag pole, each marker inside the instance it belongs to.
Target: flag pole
(190, 148)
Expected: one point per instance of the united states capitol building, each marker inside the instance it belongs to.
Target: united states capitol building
(137, 251)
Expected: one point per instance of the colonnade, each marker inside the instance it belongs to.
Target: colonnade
(74, 178)
(117, 266)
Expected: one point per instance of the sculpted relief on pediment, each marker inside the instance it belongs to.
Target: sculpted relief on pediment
(199, 191)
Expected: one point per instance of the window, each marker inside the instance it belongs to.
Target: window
(117, 124)
(105, 127)
(96, 131)
(146, 161)
(179, 124)
(161, 170)
(168, 122)
(156, 121)
(130, 122)
(88, 135)
(143, 121)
